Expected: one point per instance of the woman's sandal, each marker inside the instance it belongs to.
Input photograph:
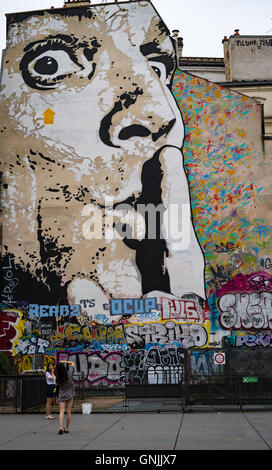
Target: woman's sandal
(60, 431)
(65, 431)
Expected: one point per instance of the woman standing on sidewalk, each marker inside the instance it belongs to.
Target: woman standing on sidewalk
(66, 392)
(50, 385)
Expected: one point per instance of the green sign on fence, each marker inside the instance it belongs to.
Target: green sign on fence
(250, 380)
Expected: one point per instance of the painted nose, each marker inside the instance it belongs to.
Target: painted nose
(133, 130)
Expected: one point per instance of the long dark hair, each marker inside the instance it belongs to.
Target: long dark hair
(47, 368)
(61, 374)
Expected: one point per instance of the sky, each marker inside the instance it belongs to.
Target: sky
(201, 23)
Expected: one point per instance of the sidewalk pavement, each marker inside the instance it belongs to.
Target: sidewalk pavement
(225, 430)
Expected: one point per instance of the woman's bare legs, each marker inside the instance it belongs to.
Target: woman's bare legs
(69, 413)
(61, 413)
(48, 406)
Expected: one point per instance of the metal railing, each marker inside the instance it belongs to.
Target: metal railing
(213, 391)
(19, 393)
(27, 391)
(244, 379)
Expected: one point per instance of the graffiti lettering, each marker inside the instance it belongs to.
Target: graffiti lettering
(157, 366)
(179, 309)
(246, 310)
(264, 340)
(77, 338)
(201, 364)
(224, 247)
(221, 275)
(33, 345)
(169, 333)
(94, 367)
(147, 317)
(87, 302)
(266, 263)
(53, 310)
(132, 306)
(12, 282)
(10, 330)
(88, 335)
(161, 375)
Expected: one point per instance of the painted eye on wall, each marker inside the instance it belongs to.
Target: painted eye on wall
(52, 64)
(159, 68)
(156, 70)
(47, 69)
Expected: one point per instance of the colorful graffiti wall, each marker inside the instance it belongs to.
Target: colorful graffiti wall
(134, 223)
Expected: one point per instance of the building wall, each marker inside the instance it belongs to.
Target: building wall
(97, 123)
(263, 95)
(248, 70)
(250, 57)
(212, 74)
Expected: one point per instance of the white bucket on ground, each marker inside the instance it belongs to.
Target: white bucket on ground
(86, 408)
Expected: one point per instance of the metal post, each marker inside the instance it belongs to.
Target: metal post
(186, 398)
(16, 392)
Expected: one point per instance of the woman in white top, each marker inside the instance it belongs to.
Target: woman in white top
(50, 385)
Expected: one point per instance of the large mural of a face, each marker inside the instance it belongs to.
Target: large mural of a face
(115, 168)
(91, 135)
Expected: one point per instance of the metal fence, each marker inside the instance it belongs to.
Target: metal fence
(21, 393)
(9, 394)
(24, 393)
(233, 392)
(240, 378)
(243, 378)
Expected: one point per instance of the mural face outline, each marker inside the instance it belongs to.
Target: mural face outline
(110, 69)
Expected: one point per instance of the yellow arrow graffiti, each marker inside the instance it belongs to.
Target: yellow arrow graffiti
(48, 116)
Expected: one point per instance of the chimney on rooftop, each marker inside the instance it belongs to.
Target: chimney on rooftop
(225, 43)
(179, 43)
